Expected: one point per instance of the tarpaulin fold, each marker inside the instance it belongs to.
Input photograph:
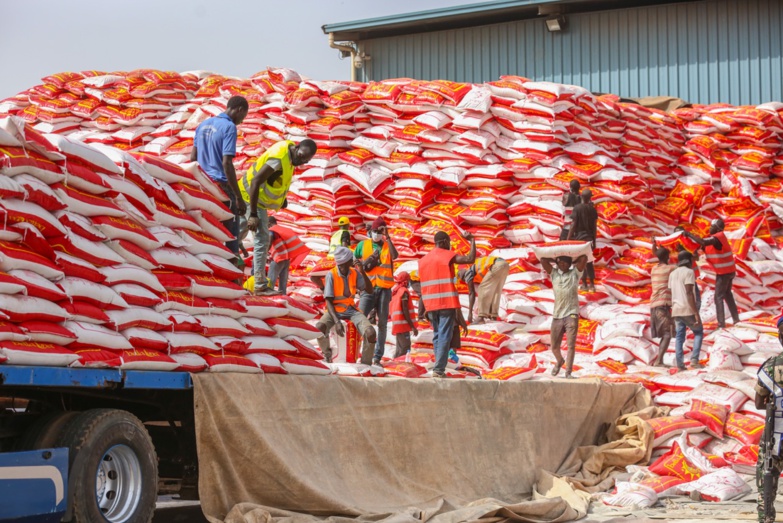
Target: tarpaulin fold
(275, 448)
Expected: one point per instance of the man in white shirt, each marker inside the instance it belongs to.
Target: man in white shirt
(685, 313)
(565, 317)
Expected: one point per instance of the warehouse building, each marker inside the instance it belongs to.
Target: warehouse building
(705, 51)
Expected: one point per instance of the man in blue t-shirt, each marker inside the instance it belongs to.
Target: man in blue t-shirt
(215, 147)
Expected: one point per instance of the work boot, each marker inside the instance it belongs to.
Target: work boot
(438, 375)
(696, 365)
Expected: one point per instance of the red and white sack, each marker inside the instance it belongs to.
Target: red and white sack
(36, 353)
(574, 249)
(722, 485)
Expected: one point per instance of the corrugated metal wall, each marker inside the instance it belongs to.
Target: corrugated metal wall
(704, 52)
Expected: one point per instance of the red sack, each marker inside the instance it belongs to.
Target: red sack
(712, 416)
(673, 463)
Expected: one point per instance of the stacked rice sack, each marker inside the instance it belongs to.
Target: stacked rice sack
(493, 159)
(116, 259)
(111, 248)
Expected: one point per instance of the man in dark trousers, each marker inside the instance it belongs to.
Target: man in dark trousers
(377, 256)
(439, 292)
(584, 228)
(570, 200)
(214, 147)
(721, 259)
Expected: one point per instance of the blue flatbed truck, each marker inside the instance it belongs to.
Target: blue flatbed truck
(93, 445)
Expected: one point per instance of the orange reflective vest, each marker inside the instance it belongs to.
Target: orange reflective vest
(399, 325)
(381, 276)
(483, 265)
(344, 298)
(437, 280)
(287, 246)
(722, 261)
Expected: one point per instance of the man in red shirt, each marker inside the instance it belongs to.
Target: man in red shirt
(721, 259)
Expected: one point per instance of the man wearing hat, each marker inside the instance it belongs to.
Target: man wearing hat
(682, 283)
(565, 317)
(721, 259)
(402, 315)
(436, 272)
(377, 256)
(340, 287)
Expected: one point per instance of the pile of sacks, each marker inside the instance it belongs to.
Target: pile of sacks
(111, 247)
(493, 159)
(116, 259)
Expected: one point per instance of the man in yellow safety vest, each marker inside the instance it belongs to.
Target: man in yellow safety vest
(265, 187)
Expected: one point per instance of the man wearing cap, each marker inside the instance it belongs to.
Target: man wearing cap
(436, 273)
(338, 238)
(377, 256)
(402, 315)
(565, 317)
(584, 228)
(684, 311)
(340, 288)
(489, 273)
(721, 259)
(264, 187)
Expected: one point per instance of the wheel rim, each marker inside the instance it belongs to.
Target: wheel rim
(118, 484)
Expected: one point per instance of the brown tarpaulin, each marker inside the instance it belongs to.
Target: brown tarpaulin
(396, 449)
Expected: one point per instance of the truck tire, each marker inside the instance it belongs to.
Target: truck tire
(113, 468)
(44, 433)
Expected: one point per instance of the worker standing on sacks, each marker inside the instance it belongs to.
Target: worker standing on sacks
(264, 187)
(340, 288)
(286, 251)
(436, 272)
(214, 147)
(584, 227)
(721, 259)
(489, 273)
(403, 317)
(570, 200)
(377, 256)
(339, 236)
(565, 317)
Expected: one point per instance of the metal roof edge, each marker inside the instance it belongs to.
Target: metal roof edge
(420, 16)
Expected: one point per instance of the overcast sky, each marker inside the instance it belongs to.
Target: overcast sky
(232, 37)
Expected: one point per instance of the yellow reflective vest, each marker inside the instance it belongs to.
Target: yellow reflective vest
(270, 195)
